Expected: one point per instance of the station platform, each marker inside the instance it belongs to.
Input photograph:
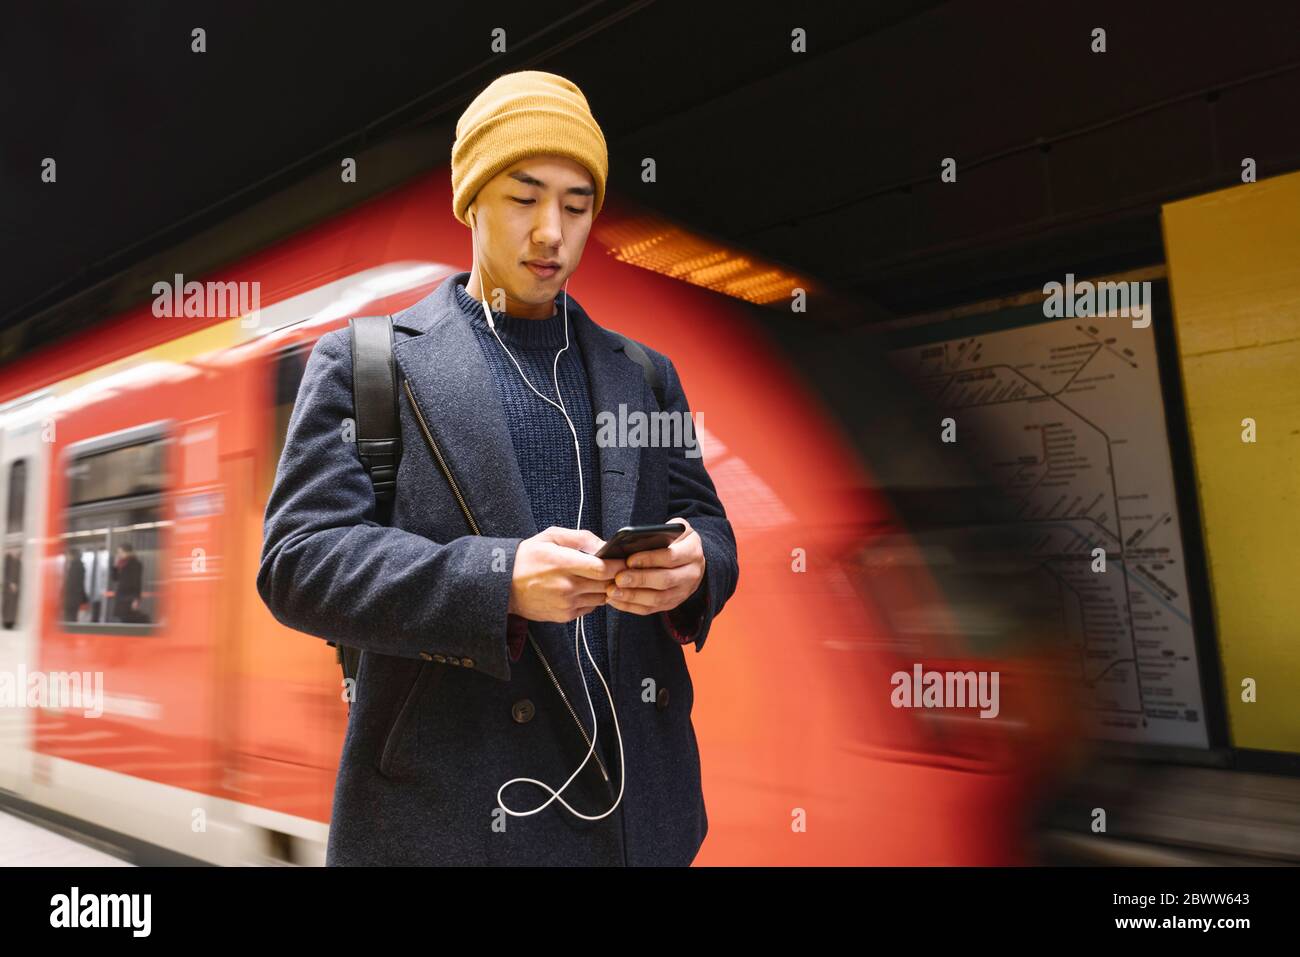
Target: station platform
(25, 843)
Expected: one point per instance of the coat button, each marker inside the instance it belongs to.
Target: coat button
(467, 662)
(453, 660)
(426, 656)
(661, 701)
(441, 659)
(522, 711)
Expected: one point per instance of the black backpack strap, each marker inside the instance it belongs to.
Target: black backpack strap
(378, 432)
(648, 368)
(374, 401)
(349, 659)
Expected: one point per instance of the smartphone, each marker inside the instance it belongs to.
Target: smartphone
(639, 538)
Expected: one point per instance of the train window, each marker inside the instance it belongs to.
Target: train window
(117, 473)
(15, 522)
(112, 548)
(287, 369)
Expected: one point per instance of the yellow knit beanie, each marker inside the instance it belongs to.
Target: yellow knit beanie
(519, 115)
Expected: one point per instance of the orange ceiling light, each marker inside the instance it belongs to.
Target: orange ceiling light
(670, 250)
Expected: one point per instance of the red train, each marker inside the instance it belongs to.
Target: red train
(219, 731)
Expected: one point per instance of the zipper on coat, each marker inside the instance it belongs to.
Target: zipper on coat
(469, 517)
(581, 727)
(437, 454)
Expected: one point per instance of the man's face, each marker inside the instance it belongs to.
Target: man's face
(538, 210)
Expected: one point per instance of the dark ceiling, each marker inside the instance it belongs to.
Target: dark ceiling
(827, 160)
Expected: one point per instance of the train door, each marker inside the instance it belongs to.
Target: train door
(26, 437)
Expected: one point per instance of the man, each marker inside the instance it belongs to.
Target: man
(466, 604)
(74, 585)
(126, 578)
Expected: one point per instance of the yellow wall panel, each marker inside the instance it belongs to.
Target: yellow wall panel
(1234, 274)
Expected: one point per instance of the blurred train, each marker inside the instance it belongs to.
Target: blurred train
(135, 461)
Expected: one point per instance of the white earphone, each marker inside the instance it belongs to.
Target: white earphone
(581, 629)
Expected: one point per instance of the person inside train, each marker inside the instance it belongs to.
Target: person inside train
(126, 577)
(74, 585)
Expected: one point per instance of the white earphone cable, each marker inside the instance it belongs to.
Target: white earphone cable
(580, 630)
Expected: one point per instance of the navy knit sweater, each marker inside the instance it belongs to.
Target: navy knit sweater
(544, 449)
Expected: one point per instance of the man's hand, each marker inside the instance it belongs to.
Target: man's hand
(558, 578)
(660, 579)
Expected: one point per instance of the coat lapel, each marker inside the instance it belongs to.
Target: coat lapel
(615, 379)
(458, 397)
(454, 389)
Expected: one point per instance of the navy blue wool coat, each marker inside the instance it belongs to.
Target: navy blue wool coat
(443, 715)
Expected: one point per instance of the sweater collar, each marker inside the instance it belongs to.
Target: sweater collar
(516, 330)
